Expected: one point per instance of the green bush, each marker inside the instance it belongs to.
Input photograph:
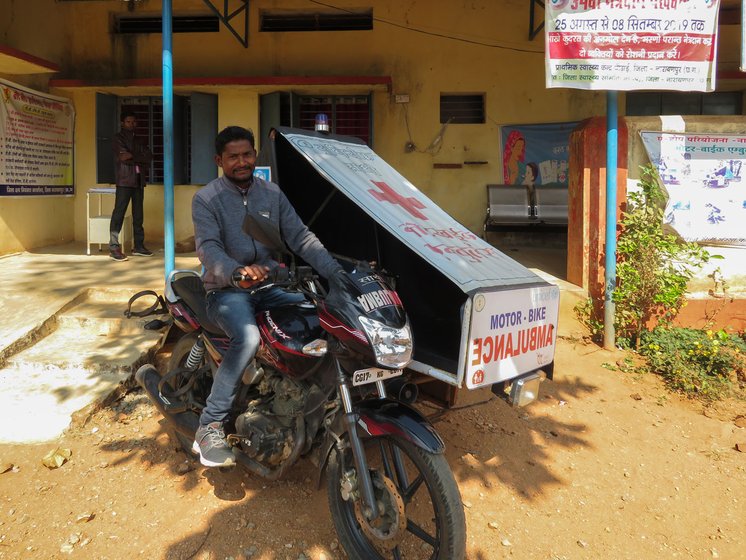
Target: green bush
(653, 270)
(653, 267)
(702, 364)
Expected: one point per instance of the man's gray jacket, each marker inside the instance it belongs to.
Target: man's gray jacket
(218, 212)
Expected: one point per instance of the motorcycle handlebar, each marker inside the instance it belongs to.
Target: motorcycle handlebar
(281, 276)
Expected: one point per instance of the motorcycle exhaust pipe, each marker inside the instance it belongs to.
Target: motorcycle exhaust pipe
(186, 422)
(402, 390)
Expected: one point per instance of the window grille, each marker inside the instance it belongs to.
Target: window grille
(349, 115)
(149, 114)
(462, 108)
(154, 24)
(654, 103)
(286, 21)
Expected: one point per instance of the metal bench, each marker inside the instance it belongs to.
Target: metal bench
(508, 205)
(512, 207)
(550, 206)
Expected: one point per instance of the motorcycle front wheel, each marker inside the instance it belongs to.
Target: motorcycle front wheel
(421, 513)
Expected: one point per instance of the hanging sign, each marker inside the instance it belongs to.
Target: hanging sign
(631, 44)
(36, 142)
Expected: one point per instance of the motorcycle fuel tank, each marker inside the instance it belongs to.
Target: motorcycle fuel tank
(361, 292)
(285, 331)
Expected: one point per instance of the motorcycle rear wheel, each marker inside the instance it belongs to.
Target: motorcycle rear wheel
(408, 481)
(178, 359)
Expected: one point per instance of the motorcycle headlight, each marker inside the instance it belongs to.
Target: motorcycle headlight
(392, 347)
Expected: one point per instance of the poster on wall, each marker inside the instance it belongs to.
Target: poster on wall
(703, 175)
(536, 154)
(36, 142)
(630, 45)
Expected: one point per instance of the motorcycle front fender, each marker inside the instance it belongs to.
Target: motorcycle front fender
(382, 417)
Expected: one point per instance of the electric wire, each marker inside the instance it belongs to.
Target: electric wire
(434, 146)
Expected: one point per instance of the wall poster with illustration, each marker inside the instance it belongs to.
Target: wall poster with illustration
(702, 174)
(536, 154)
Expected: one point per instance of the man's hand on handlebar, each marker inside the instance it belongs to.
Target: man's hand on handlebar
(249, 276)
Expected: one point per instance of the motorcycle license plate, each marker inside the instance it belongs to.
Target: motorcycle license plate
(371, 375)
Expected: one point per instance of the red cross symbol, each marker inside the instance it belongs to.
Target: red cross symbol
(387, 194)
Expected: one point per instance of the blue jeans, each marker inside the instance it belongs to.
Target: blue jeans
(233, 311)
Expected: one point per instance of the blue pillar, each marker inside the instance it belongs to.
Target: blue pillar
(611, 208)
(168, 141)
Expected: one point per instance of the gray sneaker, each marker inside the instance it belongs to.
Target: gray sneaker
(213, 449)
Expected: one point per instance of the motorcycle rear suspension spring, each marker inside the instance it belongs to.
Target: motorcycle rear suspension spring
(195, 355)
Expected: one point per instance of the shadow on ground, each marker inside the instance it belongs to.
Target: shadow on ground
(491, 444)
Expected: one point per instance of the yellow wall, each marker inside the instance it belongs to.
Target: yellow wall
(31, 222)
(495, 58)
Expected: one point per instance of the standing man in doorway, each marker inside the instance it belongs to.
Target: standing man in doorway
(131, 161)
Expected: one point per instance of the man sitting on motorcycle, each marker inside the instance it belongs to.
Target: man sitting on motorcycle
(226, 251)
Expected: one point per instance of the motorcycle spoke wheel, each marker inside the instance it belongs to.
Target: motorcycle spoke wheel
(403, 474)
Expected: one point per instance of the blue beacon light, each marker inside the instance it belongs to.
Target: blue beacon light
(322, 123)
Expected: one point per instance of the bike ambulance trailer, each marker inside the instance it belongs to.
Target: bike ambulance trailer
(478, 317)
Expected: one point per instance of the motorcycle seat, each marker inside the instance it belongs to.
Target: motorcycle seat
(191, 290)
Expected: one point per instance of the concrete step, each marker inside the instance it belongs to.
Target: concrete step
(92, 350)
(103, 314)
(85, 346)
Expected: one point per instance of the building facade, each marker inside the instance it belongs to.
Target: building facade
(427, 84)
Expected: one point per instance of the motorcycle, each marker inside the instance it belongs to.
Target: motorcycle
(324, 385)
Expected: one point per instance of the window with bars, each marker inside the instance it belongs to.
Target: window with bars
(462, 108)
(349, 115)
(149, 114)
(194, 130)
(154, 24)
(653, 103)
(285, 21)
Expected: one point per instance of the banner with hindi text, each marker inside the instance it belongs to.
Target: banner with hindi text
(631, 44)
(36, 142)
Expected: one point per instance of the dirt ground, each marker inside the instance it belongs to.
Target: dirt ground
(605, 465)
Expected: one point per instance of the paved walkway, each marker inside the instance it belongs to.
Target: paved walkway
(37, 285)
(65, 345)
